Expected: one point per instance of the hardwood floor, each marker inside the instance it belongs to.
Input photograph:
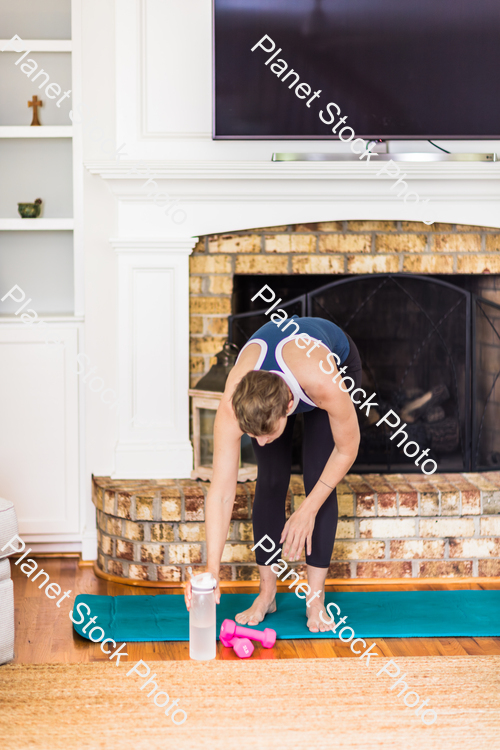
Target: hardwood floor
(45, 634)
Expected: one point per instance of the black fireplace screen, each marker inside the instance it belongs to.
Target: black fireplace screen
(485, 407)
(431, 354)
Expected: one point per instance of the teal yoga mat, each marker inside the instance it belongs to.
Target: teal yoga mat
(395, 614)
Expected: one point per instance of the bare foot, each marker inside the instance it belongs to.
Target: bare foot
(263, 605)
(314, 622)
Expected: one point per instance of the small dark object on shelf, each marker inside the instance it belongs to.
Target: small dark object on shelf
(215, 379)
(30, 210)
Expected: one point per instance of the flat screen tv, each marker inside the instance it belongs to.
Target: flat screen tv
(394, 68)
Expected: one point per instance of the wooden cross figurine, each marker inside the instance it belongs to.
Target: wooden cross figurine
(35, 104)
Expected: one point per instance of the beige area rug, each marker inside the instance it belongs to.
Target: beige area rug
(318, 704)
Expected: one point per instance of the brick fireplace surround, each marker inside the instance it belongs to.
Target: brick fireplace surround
(391, 526)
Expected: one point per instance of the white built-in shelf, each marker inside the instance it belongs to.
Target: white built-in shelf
(42, 131)
(36, 45)
(21, 225)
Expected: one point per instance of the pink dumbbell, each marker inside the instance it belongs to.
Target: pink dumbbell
(242, 647)
(229, 629)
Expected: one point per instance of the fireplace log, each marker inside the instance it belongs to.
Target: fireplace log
(434, 414)
(444, 436)
(419, 406)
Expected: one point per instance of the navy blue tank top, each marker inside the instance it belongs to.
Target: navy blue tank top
(272, 340)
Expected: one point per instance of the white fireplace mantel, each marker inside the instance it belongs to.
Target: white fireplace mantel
(230, 196)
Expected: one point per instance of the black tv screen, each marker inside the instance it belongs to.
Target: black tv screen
(393, 68)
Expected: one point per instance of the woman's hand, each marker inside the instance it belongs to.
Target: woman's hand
(298, 533)
(188, 593)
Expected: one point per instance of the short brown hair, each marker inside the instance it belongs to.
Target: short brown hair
(259, 400)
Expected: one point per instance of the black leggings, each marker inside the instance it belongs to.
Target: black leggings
(274, 462)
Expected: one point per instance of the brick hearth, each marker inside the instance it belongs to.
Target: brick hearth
(390, 526)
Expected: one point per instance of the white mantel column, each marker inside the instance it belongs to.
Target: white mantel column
(153, 358)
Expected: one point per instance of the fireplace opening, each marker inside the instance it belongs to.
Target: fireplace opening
(430, 348)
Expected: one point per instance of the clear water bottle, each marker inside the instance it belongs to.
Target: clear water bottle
(202, 634)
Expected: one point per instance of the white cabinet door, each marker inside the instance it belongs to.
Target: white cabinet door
(39, 468)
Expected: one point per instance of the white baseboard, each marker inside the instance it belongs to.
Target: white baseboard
(53, 547)
(43, 543)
